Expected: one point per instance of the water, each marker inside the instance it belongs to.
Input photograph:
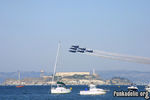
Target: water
(42, 93)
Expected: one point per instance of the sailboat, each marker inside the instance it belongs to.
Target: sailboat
(19, 86)
(60, 86)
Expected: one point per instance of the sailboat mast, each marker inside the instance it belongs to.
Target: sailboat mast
(55, 63)
(19, 75)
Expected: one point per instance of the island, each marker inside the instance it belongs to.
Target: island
(69, 78)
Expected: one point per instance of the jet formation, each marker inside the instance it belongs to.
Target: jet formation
(76, 48)
(109, 55)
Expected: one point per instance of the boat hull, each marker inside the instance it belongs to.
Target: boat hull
(20, 86)
(132, 88)
(93, 92)
(60, 91)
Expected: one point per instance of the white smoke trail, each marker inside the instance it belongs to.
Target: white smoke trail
(116, 56)
(120, 55)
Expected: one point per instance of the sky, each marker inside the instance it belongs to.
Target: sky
(31, 29)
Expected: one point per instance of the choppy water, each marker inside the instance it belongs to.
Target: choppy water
(42, 93)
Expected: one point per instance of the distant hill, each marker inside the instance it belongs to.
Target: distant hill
(134, 76)
(14, 75)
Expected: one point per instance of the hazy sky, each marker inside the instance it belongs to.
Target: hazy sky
(30, 31)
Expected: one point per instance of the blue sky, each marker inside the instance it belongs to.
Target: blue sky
(30, 31)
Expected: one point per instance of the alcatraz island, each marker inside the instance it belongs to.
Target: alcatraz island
(69, 78)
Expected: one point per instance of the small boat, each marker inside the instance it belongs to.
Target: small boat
(93, 91)
(147, 88)
(60, 89)
(19, 86)
(133, 87)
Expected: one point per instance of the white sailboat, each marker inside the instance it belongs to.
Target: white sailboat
(60, 87)
(19, 86)
(93, 90)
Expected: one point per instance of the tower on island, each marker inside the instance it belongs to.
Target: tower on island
(41, 73)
